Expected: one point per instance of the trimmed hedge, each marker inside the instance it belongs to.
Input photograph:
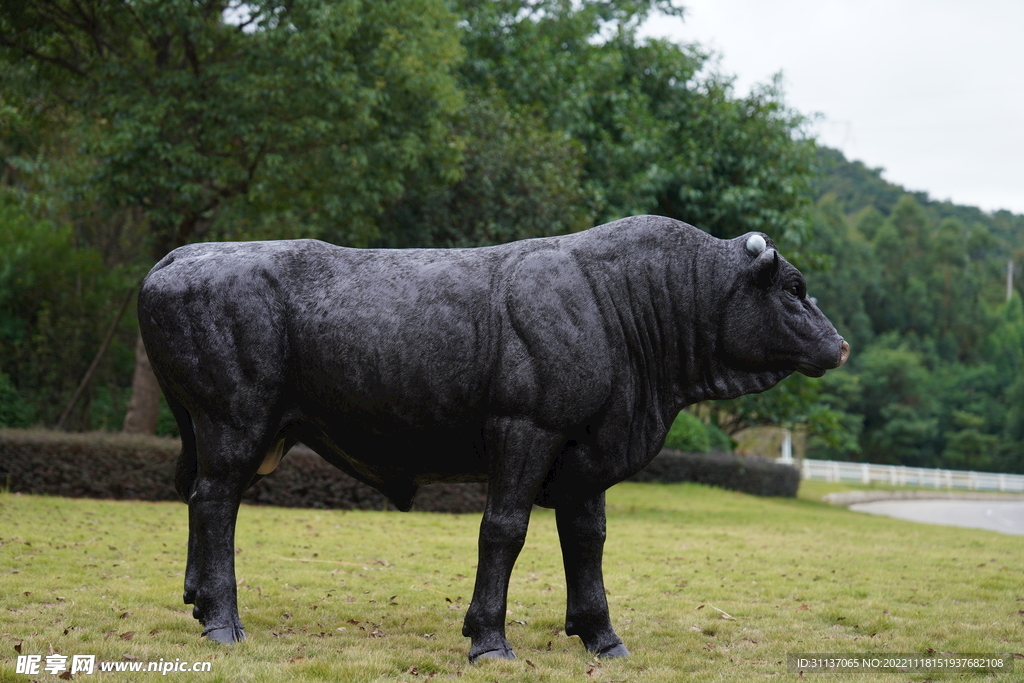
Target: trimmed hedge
(122, 466)
(749, 474)
(95, 465)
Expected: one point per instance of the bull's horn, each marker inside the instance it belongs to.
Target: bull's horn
(756, 244)
(765, 268)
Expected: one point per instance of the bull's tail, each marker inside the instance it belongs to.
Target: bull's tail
(185, 472)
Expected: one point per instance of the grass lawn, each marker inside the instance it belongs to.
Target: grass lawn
(704, 585)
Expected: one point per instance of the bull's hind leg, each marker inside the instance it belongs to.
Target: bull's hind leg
(184, 481)
(581, 533)
(521, 455)
(227, 463)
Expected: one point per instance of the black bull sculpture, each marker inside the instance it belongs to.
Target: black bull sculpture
(551, 368)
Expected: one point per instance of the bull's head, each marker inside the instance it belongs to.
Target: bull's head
(770, 324)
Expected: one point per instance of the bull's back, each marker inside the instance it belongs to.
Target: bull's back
(392, 339)
(404, 338)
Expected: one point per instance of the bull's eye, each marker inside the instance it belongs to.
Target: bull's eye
(796, 289)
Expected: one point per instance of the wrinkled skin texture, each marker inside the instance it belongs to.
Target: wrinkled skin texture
(551, 368)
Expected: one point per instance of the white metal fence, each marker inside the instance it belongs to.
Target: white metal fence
(897, 475)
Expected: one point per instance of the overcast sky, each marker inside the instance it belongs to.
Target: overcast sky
(930, 90)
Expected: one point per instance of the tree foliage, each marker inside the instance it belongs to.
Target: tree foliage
(290, 117)
(920, 293)
(517, 180)
(660, 132)
(56, 301)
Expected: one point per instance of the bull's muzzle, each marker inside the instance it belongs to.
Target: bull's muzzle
(844, 352)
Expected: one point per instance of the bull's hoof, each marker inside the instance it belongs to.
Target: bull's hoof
(500, 653)
(225, 634)
(616, 650)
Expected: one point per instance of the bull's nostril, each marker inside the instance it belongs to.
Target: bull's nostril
(844, 352)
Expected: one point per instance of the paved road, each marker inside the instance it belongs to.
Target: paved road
(1003, 516)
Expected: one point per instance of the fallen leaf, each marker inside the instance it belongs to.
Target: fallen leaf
(802, 607)
(127, 635)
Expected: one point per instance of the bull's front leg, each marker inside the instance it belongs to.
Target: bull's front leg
(501, 538)
(581, 533)
(520, 455)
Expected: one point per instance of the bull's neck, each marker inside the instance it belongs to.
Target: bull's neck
(666, 308)
(696, 308)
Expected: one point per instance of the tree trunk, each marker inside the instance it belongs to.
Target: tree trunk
(144, 406)
(96, 361)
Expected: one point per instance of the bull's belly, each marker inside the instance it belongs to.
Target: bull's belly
(397, 459)
(382, 454)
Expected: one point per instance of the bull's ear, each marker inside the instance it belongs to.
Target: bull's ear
(765, 268)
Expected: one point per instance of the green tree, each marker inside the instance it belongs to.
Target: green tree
(1004, 347)
(846, 273)
(660, 135)
(517, 180)
(688, 434)
(310, 111)
(56, 301)
(797, 401)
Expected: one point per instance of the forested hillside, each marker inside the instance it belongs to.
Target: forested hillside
(127, 129)
(919, 289)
